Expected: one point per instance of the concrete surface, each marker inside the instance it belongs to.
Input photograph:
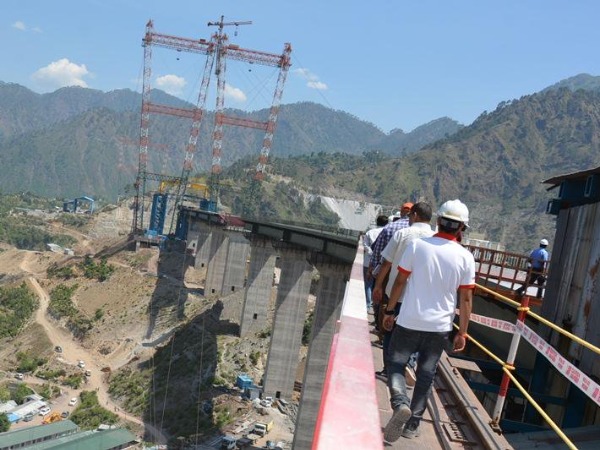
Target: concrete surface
(428, 437)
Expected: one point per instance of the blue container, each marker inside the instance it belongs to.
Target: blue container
(243, 381)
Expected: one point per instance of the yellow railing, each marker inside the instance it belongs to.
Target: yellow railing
(508, 366)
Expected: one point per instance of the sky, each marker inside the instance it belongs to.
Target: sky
(395, 63)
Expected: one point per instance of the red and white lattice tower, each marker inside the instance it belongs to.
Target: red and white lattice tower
(219, 49)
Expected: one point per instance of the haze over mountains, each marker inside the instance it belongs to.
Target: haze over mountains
(79, 141)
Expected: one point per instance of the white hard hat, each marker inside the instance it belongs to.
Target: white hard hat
(544, 242)
(454, 210)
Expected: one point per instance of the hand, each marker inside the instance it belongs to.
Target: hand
(388, 322)
(376, 294)
(460, 341)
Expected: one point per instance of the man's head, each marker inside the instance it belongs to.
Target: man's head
(405, 209)
(453, 217)
(420, 212)
(544, 243)
(381, 220)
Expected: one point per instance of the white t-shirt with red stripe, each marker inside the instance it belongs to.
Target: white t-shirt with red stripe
(438, 267)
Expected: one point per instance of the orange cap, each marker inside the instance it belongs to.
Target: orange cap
(407, 205)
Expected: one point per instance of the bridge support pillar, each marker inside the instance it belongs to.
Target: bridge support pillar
(219, 243)
(331, 288)
(204, 235)
(288, 323)
(260, 286)
(234, 278)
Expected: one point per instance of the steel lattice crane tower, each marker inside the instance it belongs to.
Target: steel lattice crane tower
(217, 50)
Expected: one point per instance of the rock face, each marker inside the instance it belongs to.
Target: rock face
(354, 215)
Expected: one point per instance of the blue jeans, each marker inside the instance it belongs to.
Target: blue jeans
(368, 286)
(403, 344)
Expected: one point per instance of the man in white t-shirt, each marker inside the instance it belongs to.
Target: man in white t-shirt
(419, 219)
(432, 273)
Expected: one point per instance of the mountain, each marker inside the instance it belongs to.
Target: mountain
(582, 81)
(79, 140)
(495, 165)
(399, 143)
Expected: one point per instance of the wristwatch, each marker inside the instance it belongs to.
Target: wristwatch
(389, 313)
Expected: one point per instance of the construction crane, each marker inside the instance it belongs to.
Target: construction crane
(217, 50)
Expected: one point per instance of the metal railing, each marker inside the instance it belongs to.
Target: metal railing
(519, 329)
(505, 271)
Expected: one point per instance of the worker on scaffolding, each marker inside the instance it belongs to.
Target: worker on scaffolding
(538, 259)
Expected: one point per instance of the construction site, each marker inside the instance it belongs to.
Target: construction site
(216, 331)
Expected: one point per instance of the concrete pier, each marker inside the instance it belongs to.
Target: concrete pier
(215, 274)
(288, 323)
(204, 235)
(260, 286)
(331, 288)
(234, 279)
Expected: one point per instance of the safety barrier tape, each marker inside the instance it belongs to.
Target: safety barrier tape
(496, 324)
(568, 370)
(572, 373)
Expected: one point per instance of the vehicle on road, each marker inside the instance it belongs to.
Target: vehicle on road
(73, 401)
(45, 411)
(81, 364)
(28, 417)
(58, 349)
(19, 376)
(88, 373)
(228, 443)
(262, 428)
(64, 414)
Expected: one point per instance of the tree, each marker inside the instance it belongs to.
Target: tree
(21, 392)
(4, 423)
(4, 394)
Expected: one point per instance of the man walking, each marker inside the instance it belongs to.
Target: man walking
(538, 259)
(368, 240)
(382, 240)
(419, 219)
(432, 273)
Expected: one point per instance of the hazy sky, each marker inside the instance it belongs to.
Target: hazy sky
(395, 63)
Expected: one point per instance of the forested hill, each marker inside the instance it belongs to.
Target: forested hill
(78, 140)
(496, 165)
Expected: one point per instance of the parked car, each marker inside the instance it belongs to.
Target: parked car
(81, 364)
(28, 417)
(64, 414)
(73, 401)
(19, 376)
(58, 349)
(45, 411)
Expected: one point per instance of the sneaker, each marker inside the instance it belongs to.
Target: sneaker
(411, 430)
(411, 376)
(381, 373)
(395, 426)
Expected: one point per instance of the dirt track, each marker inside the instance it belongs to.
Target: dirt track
(72, 353)
(33, 265)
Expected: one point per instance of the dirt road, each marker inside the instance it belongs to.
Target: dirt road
(72, 353)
